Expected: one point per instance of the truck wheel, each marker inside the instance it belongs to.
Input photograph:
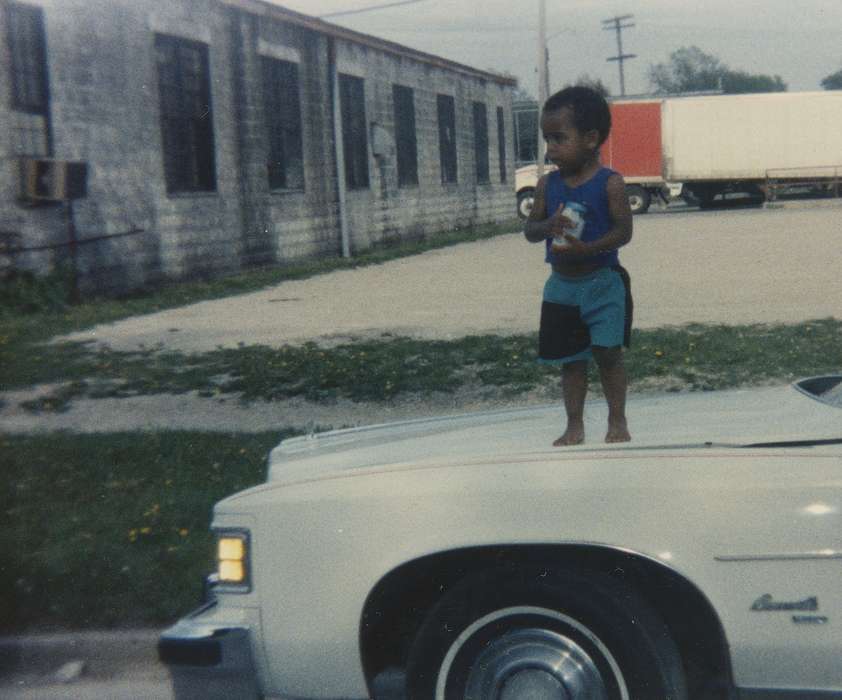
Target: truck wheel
(639, 198)
(502, 636)
(525, 199)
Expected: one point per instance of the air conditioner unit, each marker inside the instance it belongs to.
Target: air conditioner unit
(50, 180)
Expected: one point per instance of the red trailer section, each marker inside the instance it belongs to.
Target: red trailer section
(633, 147)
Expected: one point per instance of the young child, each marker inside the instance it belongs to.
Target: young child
(587, 307)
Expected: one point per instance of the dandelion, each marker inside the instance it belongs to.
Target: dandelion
(145, 530)
(184, 532)
(658, 353)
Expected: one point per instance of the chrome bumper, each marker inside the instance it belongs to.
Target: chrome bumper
(209, 659)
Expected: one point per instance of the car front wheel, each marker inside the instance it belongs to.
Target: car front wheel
(572, 636)
(525, 199)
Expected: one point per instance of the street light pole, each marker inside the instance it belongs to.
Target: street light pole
(542, 79)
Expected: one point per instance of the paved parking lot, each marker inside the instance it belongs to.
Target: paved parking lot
(731, 266)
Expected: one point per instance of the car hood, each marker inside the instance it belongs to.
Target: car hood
(728, 419)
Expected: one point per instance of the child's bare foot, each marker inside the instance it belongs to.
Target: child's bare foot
(618, 431)
(574, 435)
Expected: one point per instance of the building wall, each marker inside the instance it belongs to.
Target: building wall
(104, 109)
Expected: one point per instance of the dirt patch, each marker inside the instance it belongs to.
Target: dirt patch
(194, 412)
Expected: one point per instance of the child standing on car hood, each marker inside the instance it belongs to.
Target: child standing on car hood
(582, 214)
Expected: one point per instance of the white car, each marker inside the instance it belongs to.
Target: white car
(467, 558)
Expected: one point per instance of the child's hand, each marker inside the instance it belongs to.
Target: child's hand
(574, 248)
(558, 223)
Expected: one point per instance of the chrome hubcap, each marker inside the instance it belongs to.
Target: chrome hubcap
(532, 663)
(537, 664)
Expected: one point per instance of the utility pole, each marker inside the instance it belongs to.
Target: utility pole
(616, 24)
(542, 79)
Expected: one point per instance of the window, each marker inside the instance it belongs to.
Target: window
(501, 143)
(27, 46)
(283, 124)
(481, 142)
(404, 101)
(525, 117)
(354, 133)
(186, 117)
(447, 138)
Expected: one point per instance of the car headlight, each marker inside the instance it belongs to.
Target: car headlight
(232, 561)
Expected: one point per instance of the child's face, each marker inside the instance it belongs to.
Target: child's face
(567, 147)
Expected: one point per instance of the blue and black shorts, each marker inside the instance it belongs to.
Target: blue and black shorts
(580, 312)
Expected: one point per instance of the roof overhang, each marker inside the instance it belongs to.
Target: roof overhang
(268, 9)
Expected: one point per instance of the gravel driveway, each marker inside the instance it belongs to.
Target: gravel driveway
(727, 267)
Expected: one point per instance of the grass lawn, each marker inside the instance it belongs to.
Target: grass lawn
(112, 530)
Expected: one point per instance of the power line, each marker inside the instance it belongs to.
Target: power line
(616, 24)
(369, 9)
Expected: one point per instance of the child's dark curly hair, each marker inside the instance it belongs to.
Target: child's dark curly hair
(589, 108)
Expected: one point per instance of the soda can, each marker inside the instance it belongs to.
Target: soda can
(576, 213)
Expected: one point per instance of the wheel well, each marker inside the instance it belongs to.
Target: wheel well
(396, 607)
(525, 190)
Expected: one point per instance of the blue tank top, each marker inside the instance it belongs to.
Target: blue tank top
(594, 198)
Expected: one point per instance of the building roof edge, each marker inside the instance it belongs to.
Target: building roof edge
(267, 8)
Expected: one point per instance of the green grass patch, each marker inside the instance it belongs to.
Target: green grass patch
(694, 357)
(112, 529)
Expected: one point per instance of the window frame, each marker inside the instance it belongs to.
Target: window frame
(448, 153)
(480, 120)
(354, 131)
(501, 144)
(187, 135)
(406, 138)
(28, 66)
(284, 125)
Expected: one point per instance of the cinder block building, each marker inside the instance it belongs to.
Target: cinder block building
(208, 136)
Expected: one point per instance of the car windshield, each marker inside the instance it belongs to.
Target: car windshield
(825, 389)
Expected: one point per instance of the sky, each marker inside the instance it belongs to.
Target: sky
(796, 39)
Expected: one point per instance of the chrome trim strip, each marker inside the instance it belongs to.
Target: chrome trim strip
(824, 554)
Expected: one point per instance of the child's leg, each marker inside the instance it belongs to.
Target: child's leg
(612, 372)
(574, 384)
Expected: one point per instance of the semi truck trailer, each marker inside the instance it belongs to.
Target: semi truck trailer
(706, 146)
(756, 143)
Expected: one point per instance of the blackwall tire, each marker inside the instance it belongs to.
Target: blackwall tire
(500, 636)
(525, 200)
(639, 199)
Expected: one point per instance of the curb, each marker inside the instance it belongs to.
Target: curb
(804, 204)
(104, 653)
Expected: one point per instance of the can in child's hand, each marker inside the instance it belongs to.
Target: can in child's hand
(576, 213)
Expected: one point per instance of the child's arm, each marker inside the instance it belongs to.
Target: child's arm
(539, 226)
(620, 232)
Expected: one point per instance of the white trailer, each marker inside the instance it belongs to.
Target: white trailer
(755, 143)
